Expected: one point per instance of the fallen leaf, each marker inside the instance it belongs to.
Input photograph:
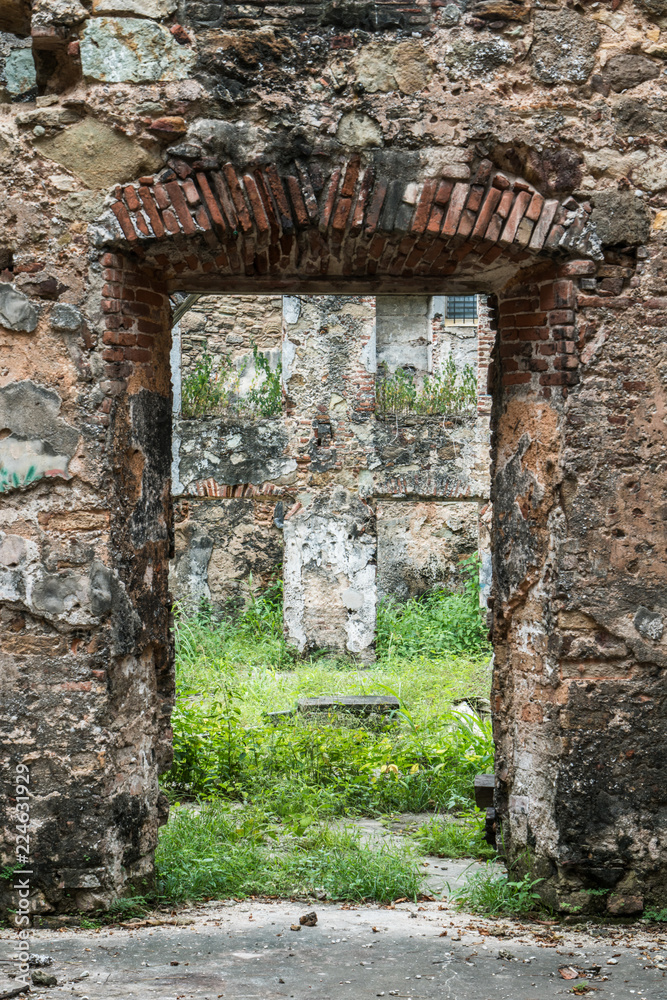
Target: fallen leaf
(567, 972)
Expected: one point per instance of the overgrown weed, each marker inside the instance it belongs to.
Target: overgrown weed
(205, 853)
(491, 892)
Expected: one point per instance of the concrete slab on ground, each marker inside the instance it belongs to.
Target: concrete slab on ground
(247, 951)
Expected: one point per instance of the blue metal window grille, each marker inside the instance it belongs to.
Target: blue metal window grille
(462, 308)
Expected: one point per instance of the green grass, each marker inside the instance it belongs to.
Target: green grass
(492, 892)
(216, 852)
(265, 790)
(446, 837)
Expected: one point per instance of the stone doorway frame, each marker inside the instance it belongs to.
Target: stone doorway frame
(354, 231)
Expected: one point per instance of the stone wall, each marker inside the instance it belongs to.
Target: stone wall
(512, 150)
(229, 325)
(327, 340)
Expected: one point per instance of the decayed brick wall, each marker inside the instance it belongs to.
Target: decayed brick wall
(400, 150)
(346, 446)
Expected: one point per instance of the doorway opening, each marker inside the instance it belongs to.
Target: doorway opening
(331, 569)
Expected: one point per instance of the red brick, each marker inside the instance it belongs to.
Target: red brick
(256, 204)
(124, 220)
(559, 378)
(329, 199)
(137, 354)
(541, 230)
(468, 219)
(423, 209)
(538, 365)
(278, 192)
(152, 298)
(566, 361)
(151, 210)
(362, 199)
(190, 191)
(486, 211)
(308, 192)
(341, 214)
(558, 317)
(435, 221)
(455, 207)
(350, 179)
(225, 199)
(500, 181)
(210, 201)
(180, 207)
(577, 268)
(530, 319)
(444, 191)
(517, 306)
(516, 215)
(587, 301)
(298, 203)
(131, 199)
(375, 206)
(493, 231)
(236, 193)
(519, 378)
(534, 210)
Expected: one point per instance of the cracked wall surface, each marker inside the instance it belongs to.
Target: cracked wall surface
(509, 150)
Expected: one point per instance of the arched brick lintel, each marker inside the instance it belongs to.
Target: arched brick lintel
(203, 225)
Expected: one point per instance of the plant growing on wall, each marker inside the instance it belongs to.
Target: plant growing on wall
(265, 396)
(452, 390)
(214, 387)
(205, 389)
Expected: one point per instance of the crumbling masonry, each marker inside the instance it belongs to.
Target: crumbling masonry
(246, 516)
(336, 148)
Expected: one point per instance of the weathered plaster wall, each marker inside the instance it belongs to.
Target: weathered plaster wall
(340, 149)
(323, 337)
(224, 548)
(421, 545)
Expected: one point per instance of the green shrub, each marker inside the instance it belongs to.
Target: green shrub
(213, 386)
(435, 623)
(203, 390)
(460, 837)
(449, 392)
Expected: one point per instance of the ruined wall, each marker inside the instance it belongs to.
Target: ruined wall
(229, 325)
(328, 148)
(421, 545)
(326, 340)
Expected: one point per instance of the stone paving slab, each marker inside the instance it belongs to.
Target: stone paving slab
(246, 951)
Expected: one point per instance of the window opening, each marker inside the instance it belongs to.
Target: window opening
(460, 309)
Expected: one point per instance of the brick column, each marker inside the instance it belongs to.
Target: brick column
(330, 544)
(86, 676)
(579, 588)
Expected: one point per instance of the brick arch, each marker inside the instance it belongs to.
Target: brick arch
(209, 222)
(213, 228)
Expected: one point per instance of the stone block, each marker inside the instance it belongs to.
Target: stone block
(98, 154)
(564, 47)
(357, 704)
(66, 317)
(627, 70)
(16, 310)
(132, 50)
(142, 8)
(17, 66)
(619, 217)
